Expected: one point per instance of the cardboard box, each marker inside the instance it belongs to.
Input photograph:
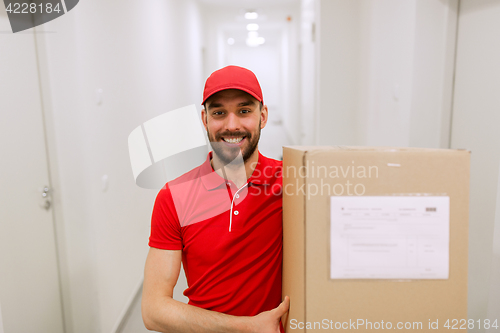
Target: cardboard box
(315, 297)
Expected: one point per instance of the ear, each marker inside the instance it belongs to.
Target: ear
(263, 117)
(204, 118)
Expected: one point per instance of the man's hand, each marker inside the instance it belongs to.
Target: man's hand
(162, 313)
(269, 321)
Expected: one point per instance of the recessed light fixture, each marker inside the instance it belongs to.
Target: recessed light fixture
(252, 27)
(251, 15)
(254, 40)
(230, 41)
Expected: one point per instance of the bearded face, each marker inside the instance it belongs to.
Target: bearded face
(228, 145)
(233, 120)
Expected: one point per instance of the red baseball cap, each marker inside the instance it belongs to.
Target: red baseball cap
(232, 77)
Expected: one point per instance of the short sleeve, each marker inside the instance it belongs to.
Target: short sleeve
(165, 226)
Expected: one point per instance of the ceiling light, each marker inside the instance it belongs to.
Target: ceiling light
(251, 15)
(254, 40)
(252, 27)
(230, 41)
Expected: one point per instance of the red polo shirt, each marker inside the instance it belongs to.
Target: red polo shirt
(231, 239)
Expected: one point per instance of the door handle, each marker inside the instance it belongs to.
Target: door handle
(45, 203)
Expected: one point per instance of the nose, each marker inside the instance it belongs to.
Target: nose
(233, 122)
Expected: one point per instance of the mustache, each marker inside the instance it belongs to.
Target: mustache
(220, 135)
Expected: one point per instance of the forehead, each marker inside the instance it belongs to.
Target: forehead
(230, 96)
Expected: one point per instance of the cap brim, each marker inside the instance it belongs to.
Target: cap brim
(248, 91)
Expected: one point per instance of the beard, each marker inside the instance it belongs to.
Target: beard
(228, 154)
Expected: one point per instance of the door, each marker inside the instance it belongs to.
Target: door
(475, 124)
(29, 284)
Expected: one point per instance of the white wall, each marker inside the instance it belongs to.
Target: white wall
(268, 72)
(389, 72)
(384, 72)
(433, 73)
(493, 310)
(275, 63)
(476, 120)
(146, 56)
(338, 37)
(290, 75)
(306, 122)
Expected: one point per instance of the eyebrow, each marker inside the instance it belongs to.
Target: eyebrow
(218, 105)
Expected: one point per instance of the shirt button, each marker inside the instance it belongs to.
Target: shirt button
(237, 196)
(236, 212)
(228, 184)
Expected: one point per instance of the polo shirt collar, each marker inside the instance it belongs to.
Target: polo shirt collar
(263, 172)
(209, 177)
(260, 176)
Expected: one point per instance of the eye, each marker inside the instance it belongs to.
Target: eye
(245, 111)
(217, 113)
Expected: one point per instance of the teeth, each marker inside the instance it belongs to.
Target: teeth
(233, 140)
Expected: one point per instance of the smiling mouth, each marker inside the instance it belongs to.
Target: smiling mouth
(233, 140)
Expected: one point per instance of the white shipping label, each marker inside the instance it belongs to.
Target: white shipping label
(389, 237)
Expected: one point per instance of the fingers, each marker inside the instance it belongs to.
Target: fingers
(283, 307)
(286, 302)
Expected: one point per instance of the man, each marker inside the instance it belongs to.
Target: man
(223, 220)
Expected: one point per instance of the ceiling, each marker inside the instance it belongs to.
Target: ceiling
(250, 3)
